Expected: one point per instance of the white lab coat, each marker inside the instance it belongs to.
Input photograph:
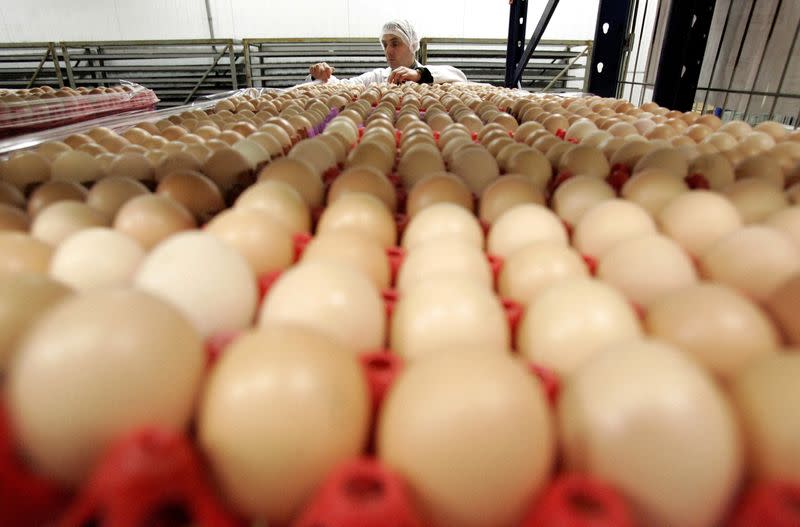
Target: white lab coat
(378, 75)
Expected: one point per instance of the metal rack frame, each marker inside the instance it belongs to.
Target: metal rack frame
(25, 74)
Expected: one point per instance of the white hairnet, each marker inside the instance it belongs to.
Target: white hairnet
(404, 31)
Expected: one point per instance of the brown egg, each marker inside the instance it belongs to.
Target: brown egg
(646, 268)
(697, 219)
(715, 168)
(268, 142)
(218, 296)
(277, 369)
(281, 201)
(229, 169)
(174, 162)
(782, 306)
(60, 220)
(442, 220)
(442, 258)
(264, 242)
(608, 223)
(584, 161)
(532, 164)
(13, 219)
(756, 198)
(51, 149)
(555, 122)
(509, 151)
(156, 352)
(765, 395)
(787, 221)
(646, 401)
(622, 129)
(416, 138)
(417, 163)
(76, 140)
(534, 267)
(738, 129)
(596, 138)
(505, 193)
(489, 391)
(362, 213)
(197, 193)
(365, 179)
(666, 159)
(522, 225)
(710, 120)
(630, 153)
(316, 153)
(754, 259)
(113, 143)
(580, 129)
(652, 189)
(298, 174)
(476, 167)
(761, 166)
(731, 332)
(151, 218)
(132, 165)
(351, 250)
(578, 194)
(775, 130)
(722, 141)
(546, 142)
(111, 193)
(22, 253)
(52, 192)
(571, 320)
(332, 298)
(557, 151)
(95, 258)
(444, 313)
(11, 196)
(372, 155)
(25, 169)
(435, 188)
(24, 298)
(524, 130)
(496, 145)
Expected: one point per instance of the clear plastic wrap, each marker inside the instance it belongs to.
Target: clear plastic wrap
(22, 112)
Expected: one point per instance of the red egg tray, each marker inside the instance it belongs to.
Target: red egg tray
(32, 116)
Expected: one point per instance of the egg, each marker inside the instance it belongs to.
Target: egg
(630, 153)
(756, 198)
(584, 160)
(442, 220)
(316, 153)
(442, 258)
(264, 242)
(362, 213)
(13, 219)
(24, 298)
(427, 427)
(174, 162)
(647, 267)
(151, 218)
(365, 179)
(505, 193)
(218, 296)
(441, 187)
(532, 268)
(25, 169)
(608, 223)
(52, 192)
(578, 194)
(80, 361)
(330, 298)
(761, 166)
(111, 193)
(645, 402)
(299, 175)
(446, 313)
(417, 163)
(765, 395)
(524, 224)
(731, 332)
(667, 159)
(230, 170)
(20, 252)
(349, 249)
(652, 189)
(281, 201)
(50, 149)
(715, 168)
(697, 219)
(96, 258)
(722, 141)
(373, 155)
(61, 219)
(196, 192)
(532, 164)
(571, 320)
(754, 259)
(11, 196)
(278, 370)
(782, 306)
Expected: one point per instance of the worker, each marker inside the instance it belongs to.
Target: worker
(400, 45)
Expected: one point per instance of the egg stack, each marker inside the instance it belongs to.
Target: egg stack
(565, 285)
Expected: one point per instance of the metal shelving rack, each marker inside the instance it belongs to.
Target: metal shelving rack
(30, 64)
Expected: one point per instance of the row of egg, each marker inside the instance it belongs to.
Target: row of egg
(488, 393)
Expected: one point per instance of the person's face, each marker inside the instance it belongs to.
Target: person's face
(397, 52)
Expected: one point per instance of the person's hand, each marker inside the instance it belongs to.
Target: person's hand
(321, 71)
(403, 74)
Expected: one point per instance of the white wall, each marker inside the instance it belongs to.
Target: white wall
(54, 20)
